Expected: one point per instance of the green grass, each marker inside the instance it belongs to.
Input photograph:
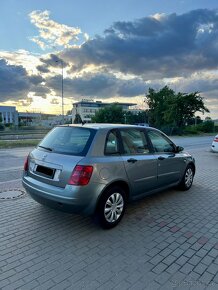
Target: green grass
(17, 143)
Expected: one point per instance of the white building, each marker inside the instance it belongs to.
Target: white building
(9, 115)
(87, 108)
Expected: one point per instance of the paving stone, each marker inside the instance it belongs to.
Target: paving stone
(173, 268)
(156, 260)
(182, 260)
(189, 253)
(169, 260)
(187, 268)
(213, 269)
(206, 278)
(201, 253)
(188, 234)
(213, 253)
(159, 268)
(202, 240)
(207, 260)
(194, 260)
(200, 268)
(174, 229)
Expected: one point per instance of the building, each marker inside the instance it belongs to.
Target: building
(29, 118)
(87, 108)
(8, 115)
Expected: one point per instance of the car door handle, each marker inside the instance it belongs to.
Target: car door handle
(161, 158)
(132, 160)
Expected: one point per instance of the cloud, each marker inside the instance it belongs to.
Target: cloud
(25, 102)
(23, 58)
(15, 83)
(50, 61)
(98, 85)
(51, 33)
(204, 83)
(55, 101)
(155, 47)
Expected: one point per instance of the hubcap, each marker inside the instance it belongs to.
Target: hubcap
(113, 207)
(188, 177)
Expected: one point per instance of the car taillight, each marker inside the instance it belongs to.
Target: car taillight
(81, 175)
(216, 139)
(26, 164)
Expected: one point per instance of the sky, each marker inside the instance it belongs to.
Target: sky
(109, 50)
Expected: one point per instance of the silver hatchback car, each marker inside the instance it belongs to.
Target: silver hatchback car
(95, 169)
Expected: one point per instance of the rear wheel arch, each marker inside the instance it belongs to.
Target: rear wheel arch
(114, 195)
(120, 183)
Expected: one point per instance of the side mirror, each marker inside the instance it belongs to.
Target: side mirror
(179, 149)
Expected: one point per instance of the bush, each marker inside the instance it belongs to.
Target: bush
(191, 129)
(206, 127)
(172, 130)
(2, 127)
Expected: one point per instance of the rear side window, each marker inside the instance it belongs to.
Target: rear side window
(111, 146)
(68, 140)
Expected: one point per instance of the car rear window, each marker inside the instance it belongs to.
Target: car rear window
(68, 140)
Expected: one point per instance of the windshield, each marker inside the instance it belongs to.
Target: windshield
(68, 140)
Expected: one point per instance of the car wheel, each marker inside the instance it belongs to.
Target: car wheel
(111, 207)
(187, 179)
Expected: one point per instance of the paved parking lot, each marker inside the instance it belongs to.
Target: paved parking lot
(165, 241)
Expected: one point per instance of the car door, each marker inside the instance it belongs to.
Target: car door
(140, 164)
(170, 164)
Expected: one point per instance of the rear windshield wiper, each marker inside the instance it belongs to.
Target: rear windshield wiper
(47, 148)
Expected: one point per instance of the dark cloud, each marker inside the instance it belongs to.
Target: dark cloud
(168, 46)
(15, 83)
(202, 83)
(52, 61)
(41, 91)
(55, 101)
(99, 85)
(42, 69)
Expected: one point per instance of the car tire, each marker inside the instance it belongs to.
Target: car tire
(111, 207)
(187, 179)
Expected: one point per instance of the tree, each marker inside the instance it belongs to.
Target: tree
(78, 119)
(109, 114)
(135, 118)
(158, 103)
(168, 108)
(69, 112)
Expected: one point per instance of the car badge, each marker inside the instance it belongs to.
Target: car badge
(44, 156)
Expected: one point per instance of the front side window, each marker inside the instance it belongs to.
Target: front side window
(68, 140)
(160, 142)
(134, 141)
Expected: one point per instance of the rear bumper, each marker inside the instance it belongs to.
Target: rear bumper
(214, 147)
(72, 199)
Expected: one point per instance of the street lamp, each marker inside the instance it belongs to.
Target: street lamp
(146, 113)
(62, 87)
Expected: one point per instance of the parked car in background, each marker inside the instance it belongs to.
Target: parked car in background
(95, 169)
(214, 146)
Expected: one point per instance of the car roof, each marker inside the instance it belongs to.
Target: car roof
(98, 126)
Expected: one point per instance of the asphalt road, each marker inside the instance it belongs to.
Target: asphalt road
(11, 163)
(194, 142)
